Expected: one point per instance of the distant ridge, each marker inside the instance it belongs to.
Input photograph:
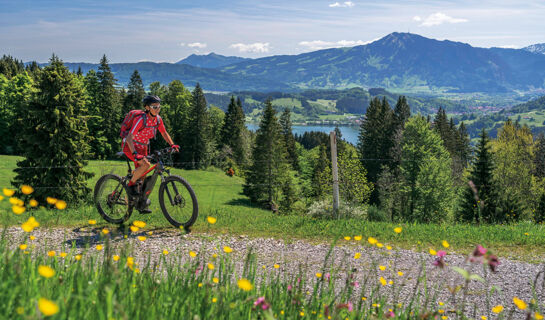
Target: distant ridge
(536, 48)
(211, 60)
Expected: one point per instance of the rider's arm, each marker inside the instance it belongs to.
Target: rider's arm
(130, 143)
(167, 138)
(133, 130)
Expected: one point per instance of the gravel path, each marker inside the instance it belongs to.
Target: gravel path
(514, 278)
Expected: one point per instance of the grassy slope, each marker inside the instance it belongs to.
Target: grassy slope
(220, 196)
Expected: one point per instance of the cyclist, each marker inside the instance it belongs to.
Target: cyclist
(136, 144)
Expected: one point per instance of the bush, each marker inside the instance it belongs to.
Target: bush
(324, 209)
(376, 214)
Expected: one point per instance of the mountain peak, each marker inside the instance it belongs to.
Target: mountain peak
(211, 60)
(536, 48)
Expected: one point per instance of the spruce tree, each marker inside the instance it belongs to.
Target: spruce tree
(539, 159)
(55, 137)
(269, 168)
(322, 181)
(135, 93)
(233, 130)
(479, 201)
(178, 98)
(199, 143)
(375, 140)
(289, 139)
(110, 108)
(95, 123)
(402, 112)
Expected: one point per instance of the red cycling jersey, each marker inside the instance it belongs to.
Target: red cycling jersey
(142, 133)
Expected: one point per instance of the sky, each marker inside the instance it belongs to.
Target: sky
(170, 30)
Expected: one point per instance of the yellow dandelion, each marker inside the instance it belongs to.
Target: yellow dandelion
(372, 240)
(382, 281)
(318, 275)
(165, 252)
(47, 307)
(444, 317)
(347, 238)
(526, 234)
(388, 247)
(134, 229)
(445, 244)
(60, 204)
(100, 247)
(63, 254)
(26, 189)
(211, 220)
(8, 192)
(363, 298)
(142, 238)
(199, 285)
(441, 311)
(150, 233)
(33, 203)
(18, 209)
(116, 257)
(382, 268)
(379, 245)
(357, 255)
(227, 249)
(92, 222)
(538, 316)
(519, 303)
(215, 280)
(51, 253)
(276, 266)
(302, 314)
(192, 254)
(497, 309)
(23, 246)
(358, 238)
(215, 255)
(78, 257)
(399, 273)
(139, 224)
(20, 310)
(46, 272)
(32, 238)
(210, 266)
(27, 227)
(1, 198)
(398, 230)
(214, 300)
(51, 200)
(105, 231)
(245, 284)
(433, 252)
(483, 318)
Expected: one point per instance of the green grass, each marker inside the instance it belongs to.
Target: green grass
(221, 196)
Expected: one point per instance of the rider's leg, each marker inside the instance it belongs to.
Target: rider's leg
(143, 166)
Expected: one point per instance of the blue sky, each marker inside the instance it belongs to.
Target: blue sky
(169, 30)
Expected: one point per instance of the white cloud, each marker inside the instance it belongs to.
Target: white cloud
(417, 18)
(258, 47)
(320, 44)
(197, 45)
(346, 4)
(437, 19)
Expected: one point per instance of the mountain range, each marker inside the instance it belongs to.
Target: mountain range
(403, 62)
(536, 48)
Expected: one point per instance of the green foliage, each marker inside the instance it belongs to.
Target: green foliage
(10, 67)
(321, 180)
(200, 143)
(539, 213)
(376, 214)
(323, 209)
(426, 171)
(108, 108)
(233, 132)
(55, 137)
(353, 184)
(289, 139)
(135, 93)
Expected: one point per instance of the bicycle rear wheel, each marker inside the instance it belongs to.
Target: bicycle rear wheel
(178, 202)
(111, 199)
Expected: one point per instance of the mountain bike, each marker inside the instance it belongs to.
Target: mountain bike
(176, 197)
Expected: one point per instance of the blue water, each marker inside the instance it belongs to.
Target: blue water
(349, 133)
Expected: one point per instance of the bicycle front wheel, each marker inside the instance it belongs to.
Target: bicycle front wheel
(111, 199)
(178, 202)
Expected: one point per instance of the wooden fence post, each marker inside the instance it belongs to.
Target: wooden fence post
(333, 138)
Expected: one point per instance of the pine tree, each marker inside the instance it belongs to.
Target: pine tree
(233, 130)
(539, 214)
(110, 108)
(178, 98)
(375, 140)
(479, 201)
(322, 181)
(55, 137)
(402, 112)
(135, 93)
(199, 143)
(96, 121)
(268, 171)
(289, 140)
(539, 160)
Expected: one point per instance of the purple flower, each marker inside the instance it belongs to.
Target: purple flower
(289, 287)
(493, 262)
(356, 284)
(259, 301)
(327, 276)
(479, 251)
(439, 262)
(441, 253)
(389, 314)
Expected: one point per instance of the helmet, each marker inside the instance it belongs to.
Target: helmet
(148, 100)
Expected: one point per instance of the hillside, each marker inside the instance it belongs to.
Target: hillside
(211, 60)
(536, 48)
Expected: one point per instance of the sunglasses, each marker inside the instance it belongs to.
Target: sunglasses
(155, 107)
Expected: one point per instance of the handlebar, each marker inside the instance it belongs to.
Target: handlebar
(159, 153)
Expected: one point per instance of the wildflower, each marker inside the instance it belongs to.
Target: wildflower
(139, 224)
(227, 249)
(105, 231)
(479, 251)
(538, 316)
(99, 247)
(63, 254)
(260, 302)
(347, 238)
(211, 220)
(388, 248)
(380, 245)
(444, 317)
(389, 314)
(78, 257)
(51, 200)
(142, 238)
(45, 271)
(32, 238)
(398, 230)
(276, 266)
(27, 189)
(356, 284)
(289, 287)
(116, 257)
(433, 252)
(92, 222)
(382, 281)
(318, 275)
(327, 276)
(357, 255)
(18, 209)
(165, 252)
(1, 198)
(214, 256)
(526, 234)
(33, 203)
(483, 318)
(60, 204)
(382, 268)
(363, 298)
(399, 273)
(519, 303)
(245, 285)
(8, 192)
(134, 228)
(23, 246)
(372, 240)
(20, 310)
(445, 244)
(357, 238)
(47, 307)
(215, 280)
(302, 314)
(51, 253)
(347, 306)
(211, 266)
(493, 262)
(439, 262)
(192, 254)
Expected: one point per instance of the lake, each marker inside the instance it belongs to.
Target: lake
(349, 133)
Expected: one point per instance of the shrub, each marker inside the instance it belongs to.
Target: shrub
(376, 214)
(324, 209)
